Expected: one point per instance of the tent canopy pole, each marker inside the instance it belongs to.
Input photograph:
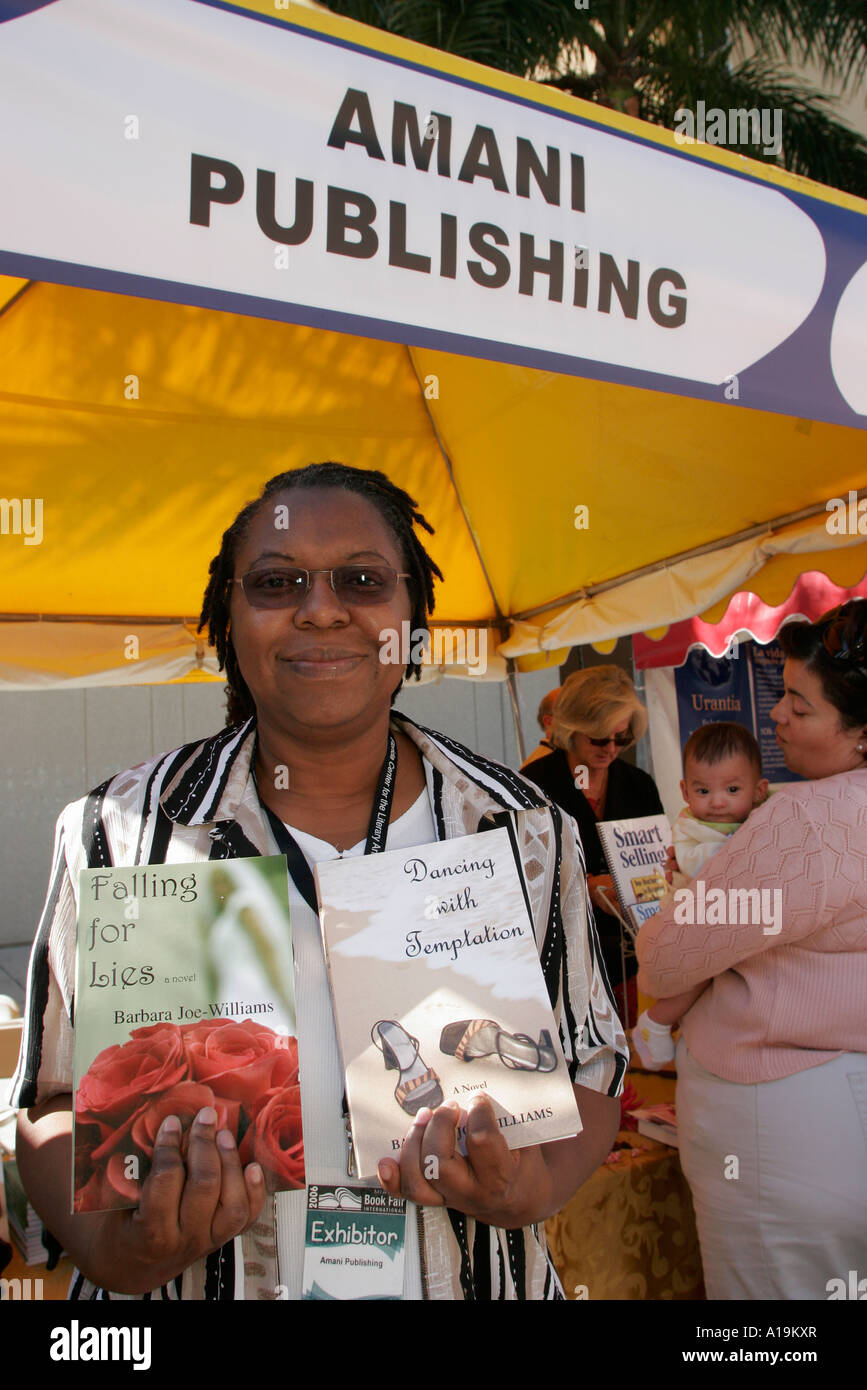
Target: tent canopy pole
(512, 683)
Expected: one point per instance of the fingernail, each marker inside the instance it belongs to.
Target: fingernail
(170, 1125)
(254, 1173)
(423, 1116)
(225, 1140)
(450, 1105)
(206, 1116)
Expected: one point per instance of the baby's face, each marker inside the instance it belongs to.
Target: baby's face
(727, 790)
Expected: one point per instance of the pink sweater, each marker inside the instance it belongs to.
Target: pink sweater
(777, 1003)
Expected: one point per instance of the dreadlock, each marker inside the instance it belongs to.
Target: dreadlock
(397, 509)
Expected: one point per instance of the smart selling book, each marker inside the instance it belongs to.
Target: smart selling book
(636, 851)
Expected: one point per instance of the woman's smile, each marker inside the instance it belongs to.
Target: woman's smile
(323, 663)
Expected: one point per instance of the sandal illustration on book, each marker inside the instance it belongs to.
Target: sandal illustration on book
(482, 1037)
(419, 1084)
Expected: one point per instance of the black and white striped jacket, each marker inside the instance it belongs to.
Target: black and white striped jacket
(200, 802)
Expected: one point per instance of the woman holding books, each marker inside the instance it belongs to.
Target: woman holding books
(598, 716)
(772, 1062)
(310, 581)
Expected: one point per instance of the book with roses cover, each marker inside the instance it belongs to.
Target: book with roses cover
(439, 994)
(185, 997)
(636, 852)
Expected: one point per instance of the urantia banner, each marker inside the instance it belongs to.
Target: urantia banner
(209, 154)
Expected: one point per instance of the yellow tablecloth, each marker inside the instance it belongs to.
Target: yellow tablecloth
(629, 1232)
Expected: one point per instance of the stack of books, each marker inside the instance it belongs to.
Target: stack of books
(658, 1122)
(25, 1227)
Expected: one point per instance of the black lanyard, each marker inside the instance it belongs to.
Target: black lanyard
(377, 830)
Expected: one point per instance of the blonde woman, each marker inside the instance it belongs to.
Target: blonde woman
(597, 716)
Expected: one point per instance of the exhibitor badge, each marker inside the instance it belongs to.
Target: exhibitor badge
(355, 1244)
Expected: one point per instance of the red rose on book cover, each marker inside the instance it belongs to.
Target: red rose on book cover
(237, 1059)
(241, 1069)
(119, 1077)
(274, 1139)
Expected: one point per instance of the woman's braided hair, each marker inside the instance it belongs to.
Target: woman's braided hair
(835, 648)
(397, 509)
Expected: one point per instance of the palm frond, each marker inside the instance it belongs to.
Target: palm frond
(814, 142)
(660, 55)
(832, 33)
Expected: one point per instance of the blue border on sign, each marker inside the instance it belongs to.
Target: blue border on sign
(388, 330)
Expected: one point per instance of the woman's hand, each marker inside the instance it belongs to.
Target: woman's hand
(496, 1184)
(189, 1206)
(606, 883)
(671, 865)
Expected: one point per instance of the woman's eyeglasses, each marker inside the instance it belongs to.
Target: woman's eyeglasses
(354, 585)
(621, 740)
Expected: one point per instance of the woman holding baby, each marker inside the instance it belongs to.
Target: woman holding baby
(772, 1062)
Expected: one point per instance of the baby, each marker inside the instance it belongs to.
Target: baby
(722, 784)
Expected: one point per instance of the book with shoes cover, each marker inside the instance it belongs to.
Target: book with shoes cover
(636, 851)
(185, 997)
(438, 993)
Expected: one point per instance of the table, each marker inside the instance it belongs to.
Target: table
(629, 1232)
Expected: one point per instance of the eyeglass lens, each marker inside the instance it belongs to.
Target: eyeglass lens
(287, 587)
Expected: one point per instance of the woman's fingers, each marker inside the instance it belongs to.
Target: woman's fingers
(428, 1154)
(597, 882)
(157, 1215)
(254, 1181)
(492, 1162)
(204, 1177)
(493, 1183)
(426, 1140)
(388, 1173)
(241, 1193)
(431, 1171)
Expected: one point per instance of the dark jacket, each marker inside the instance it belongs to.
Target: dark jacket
(631, 792)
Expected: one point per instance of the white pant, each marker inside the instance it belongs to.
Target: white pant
(778, 1173)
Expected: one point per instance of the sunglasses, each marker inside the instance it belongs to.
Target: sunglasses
(621, 740)
(354, 585)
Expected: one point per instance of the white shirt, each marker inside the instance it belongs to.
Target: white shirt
(321, 1072)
